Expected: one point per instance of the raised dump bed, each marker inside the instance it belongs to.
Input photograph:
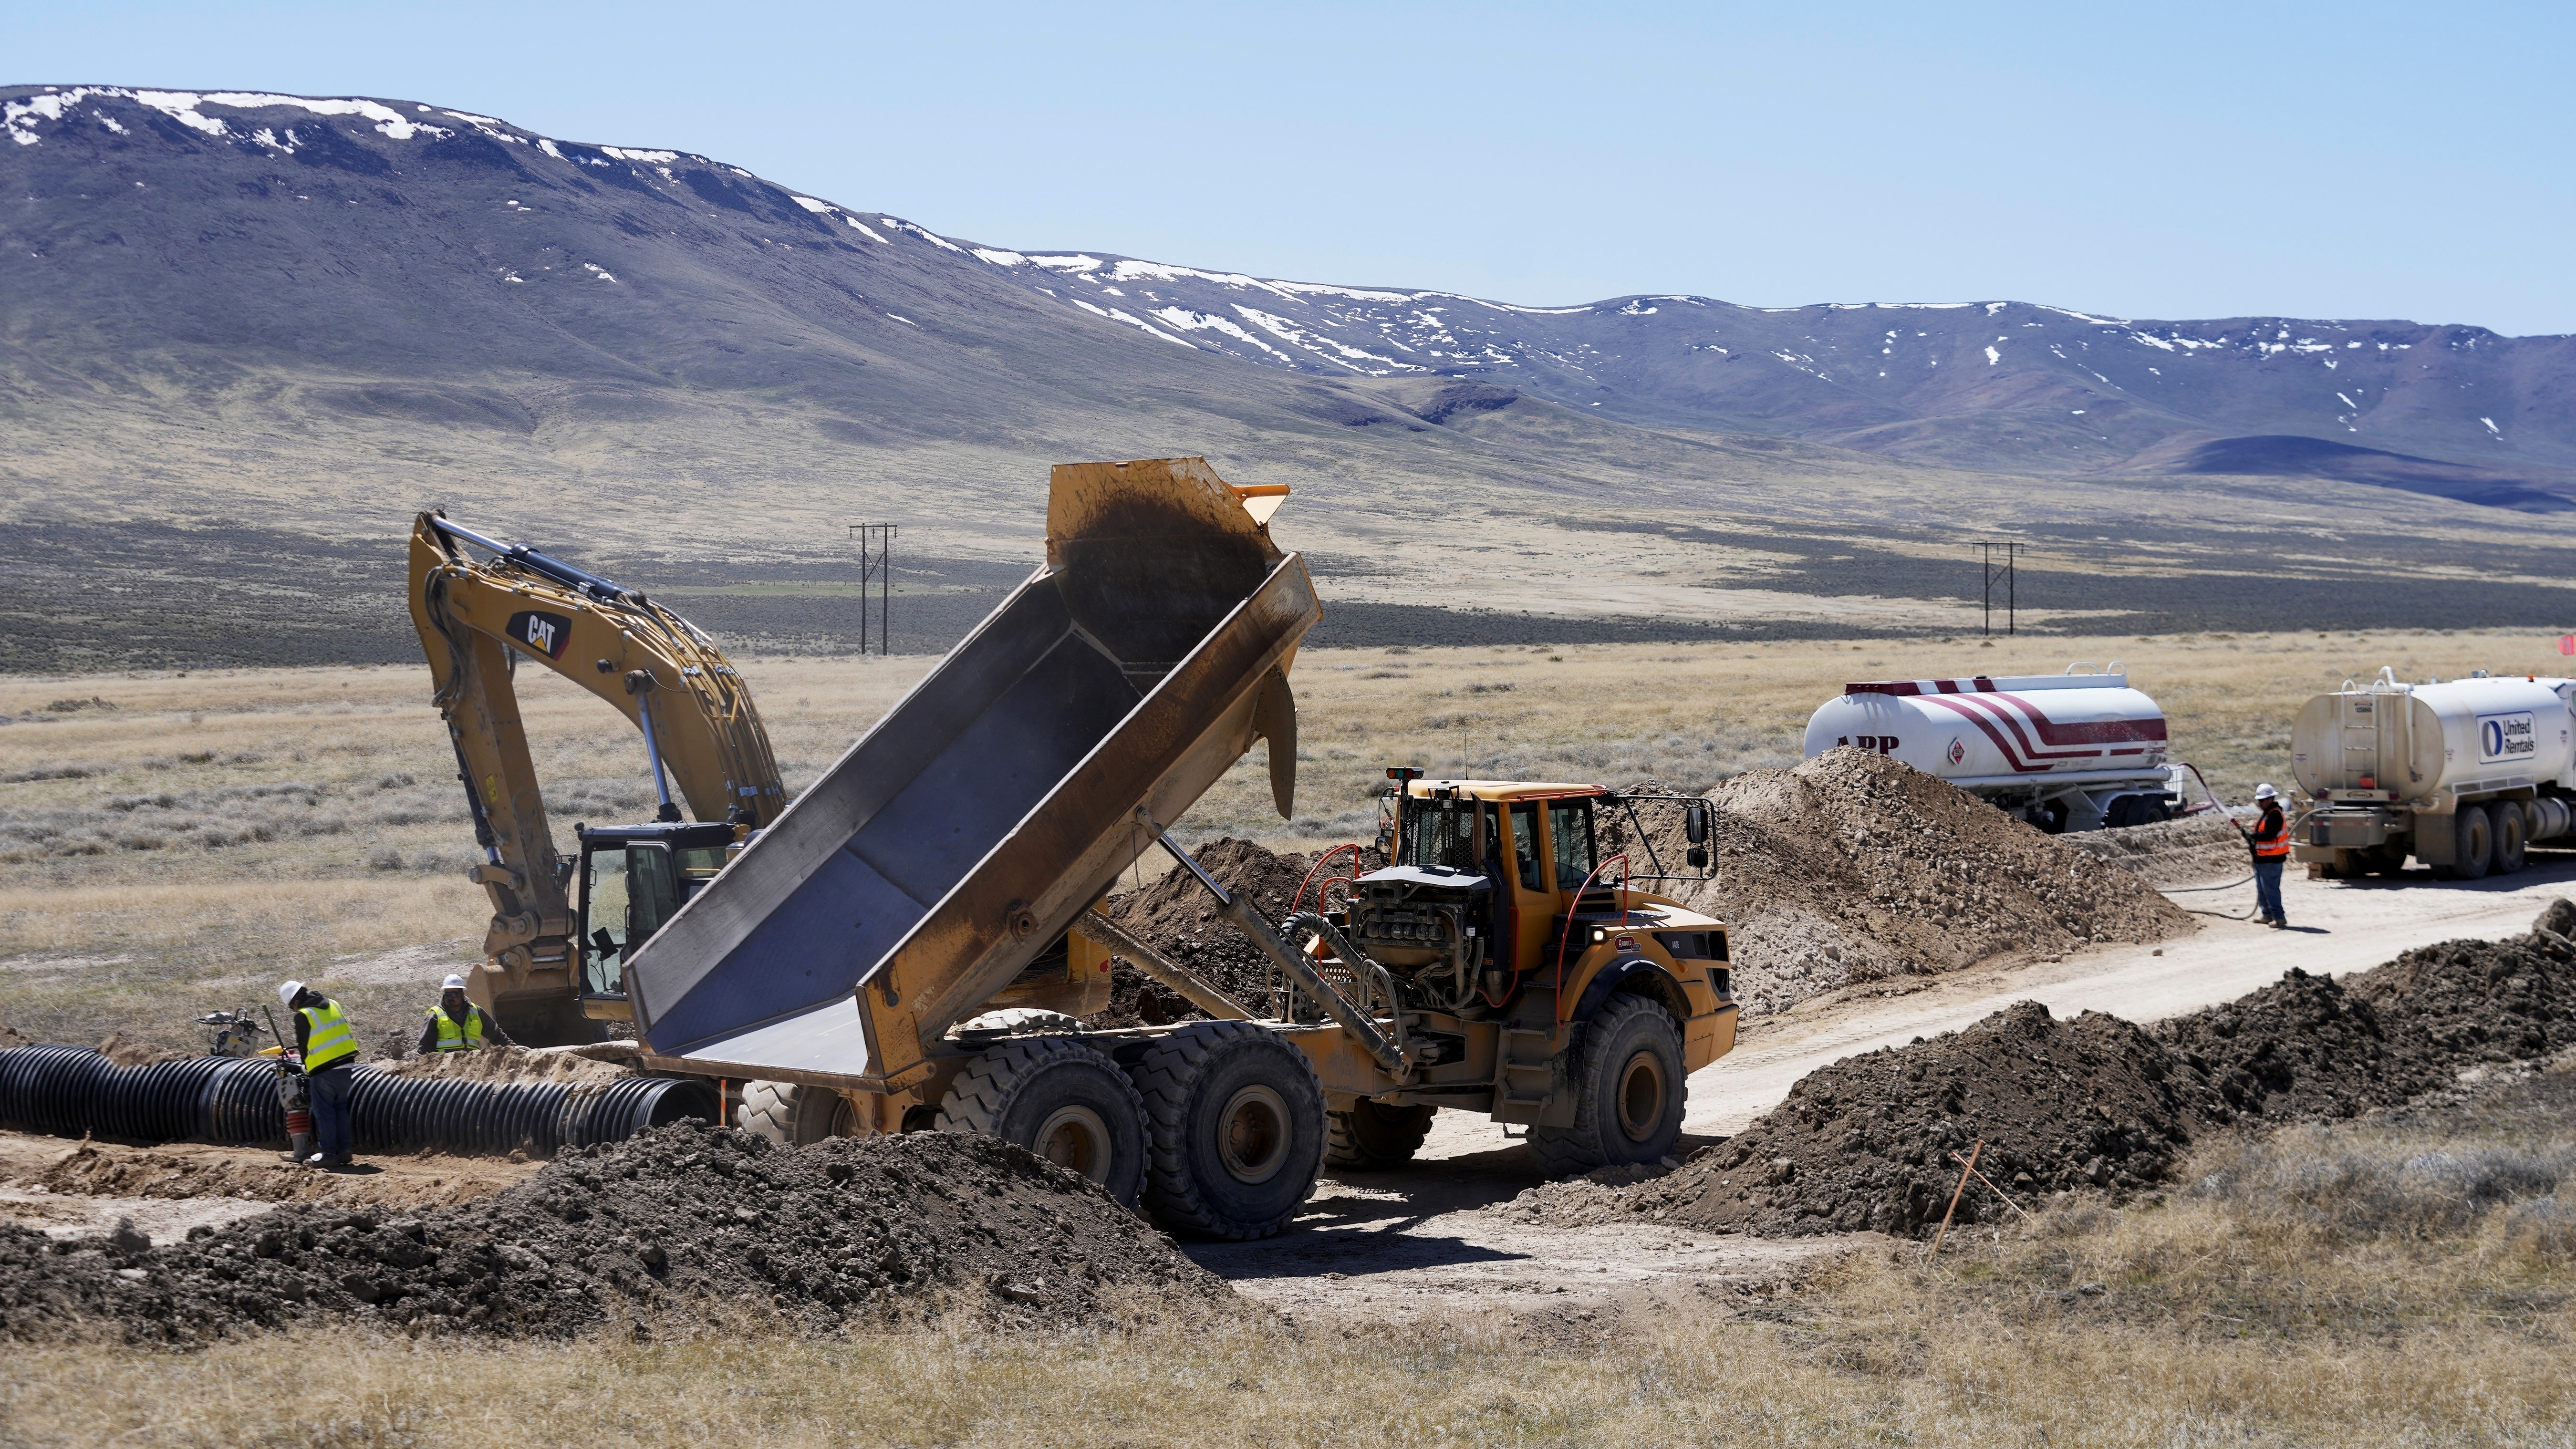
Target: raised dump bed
(964, 833)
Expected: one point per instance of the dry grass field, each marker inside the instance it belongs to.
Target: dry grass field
(172, 843)
(2362, 1285)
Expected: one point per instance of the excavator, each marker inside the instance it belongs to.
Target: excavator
(562, 930)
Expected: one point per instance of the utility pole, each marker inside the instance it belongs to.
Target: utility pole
(1999, 561)
(876, 554)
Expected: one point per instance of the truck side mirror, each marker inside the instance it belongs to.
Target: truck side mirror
(1695, 826)
(1698, 857)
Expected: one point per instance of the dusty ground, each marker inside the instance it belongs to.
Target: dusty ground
(70, 1189)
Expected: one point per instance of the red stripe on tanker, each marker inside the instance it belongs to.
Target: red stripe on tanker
(1984, 728)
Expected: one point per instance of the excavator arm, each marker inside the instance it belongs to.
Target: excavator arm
(478, 618)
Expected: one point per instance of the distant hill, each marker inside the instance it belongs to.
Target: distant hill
(284, 317)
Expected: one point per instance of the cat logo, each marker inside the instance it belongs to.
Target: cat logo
(1958, 751)
(542, 633)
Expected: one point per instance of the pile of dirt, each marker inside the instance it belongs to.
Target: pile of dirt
(685, 1222)
(510, 1064)
(2311, 1046)
(1866, 1143)
(2194, 850)
(194, 1171)
(11, 1037)
(1175, 915)
(1855, 867)
(125, 1051)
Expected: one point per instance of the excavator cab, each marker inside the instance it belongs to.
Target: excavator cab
(633, 879)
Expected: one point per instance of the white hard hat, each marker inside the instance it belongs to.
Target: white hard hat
(2266, 792)
(286, 992)
(452, 983)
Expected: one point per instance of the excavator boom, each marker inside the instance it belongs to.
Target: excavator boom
(478, 618)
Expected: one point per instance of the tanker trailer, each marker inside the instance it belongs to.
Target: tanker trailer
(2460, 775)
(2071, 751)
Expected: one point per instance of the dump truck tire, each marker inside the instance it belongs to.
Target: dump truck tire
(1060, 1098)
(1629, 1091)
(792, 1116)
(1021, 1021)
(1237, 1124)
(1372, 1138)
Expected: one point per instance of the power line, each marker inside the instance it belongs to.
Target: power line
(876, 555)
(2010, 554)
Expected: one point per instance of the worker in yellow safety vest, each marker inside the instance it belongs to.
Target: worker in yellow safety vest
(2270, 839)
(328, 1047)
(458, 1025)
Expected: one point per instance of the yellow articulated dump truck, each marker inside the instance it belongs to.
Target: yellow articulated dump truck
(848, 958)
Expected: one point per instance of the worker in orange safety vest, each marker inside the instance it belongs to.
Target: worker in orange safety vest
(2270, 839)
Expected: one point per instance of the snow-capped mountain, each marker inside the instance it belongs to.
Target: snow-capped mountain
(151, 236)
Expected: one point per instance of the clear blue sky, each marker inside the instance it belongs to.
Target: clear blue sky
(2172, 160)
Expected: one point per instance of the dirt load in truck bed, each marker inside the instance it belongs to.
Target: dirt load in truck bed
(1177, 916)
(660, 1230)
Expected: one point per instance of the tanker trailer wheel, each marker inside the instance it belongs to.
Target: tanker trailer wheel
(1371, 1137)
(1629, 1088)
(2511, 832)
(1237, 1119)
(2473, 836)
(1060, 1098)
(792, 1115)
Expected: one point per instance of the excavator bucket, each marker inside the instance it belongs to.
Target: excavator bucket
(963, 834)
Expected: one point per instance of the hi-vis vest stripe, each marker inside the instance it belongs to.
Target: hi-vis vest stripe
(450, 1037)
(330, 1039)
(2271, 842)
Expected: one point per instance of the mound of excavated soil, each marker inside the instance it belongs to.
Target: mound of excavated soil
(125, 1051)
(1866, 1142)
(10, 1037)
(193, 1170)
(509, 1064)
(2194, 850)
(842, 1233)
(2312, 1046)
(1176, 916)
(1854, 867)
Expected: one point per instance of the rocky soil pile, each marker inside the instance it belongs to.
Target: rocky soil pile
(1855, 867)
(2312, 1046)
(1866, 1142)
(688, 1221)
(509, 1064)
(2194, 850)
(1176, 916)
(2098, 1102)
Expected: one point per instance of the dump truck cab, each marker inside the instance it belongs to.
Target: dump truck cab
(1517, 866)
(1527, 976)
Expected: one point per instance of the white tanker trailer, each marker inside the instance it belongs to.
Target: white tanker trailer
(2071, 751)
(2460, 775)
